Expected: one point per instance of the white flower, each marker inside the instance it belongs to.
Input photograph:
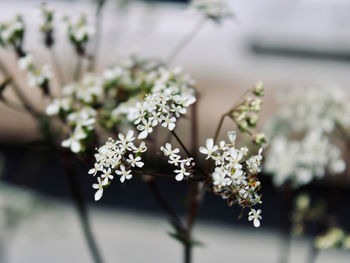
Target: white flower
(255, 216)
(142, 148)
(254, 163)
(169, 122)
(57, 104)
(94, 170)
(74, 141)
(125, 174)
(145, 128)
(220, 177)
(181, 173)
(98, 186)
(135, 161)
(174, 159)
(107, 174)
(26, 62)
(168, 151)
(125, 140)
(210, 148)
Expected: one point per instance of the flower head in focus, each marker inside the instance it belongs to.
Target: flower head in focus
(234, 177)
(119, 157)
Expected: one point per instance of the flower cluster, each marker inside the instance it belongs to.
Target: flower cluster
(37, 77)
(47, 25)
(118, 97)
(12, 33)
(116, 157)
(300, 161)
(245, 114)
(168, 100)
(217, 10)
(82, 123)
(47, 16)
(184, 165)
(334, 237)
(79, 33)
(235, 176)
(302, 143)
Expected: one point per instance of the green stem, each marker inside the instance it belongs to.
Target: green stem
(78, 68)
(98, 18)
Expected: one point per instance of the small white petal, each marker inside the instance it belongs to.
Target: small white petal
(98, 194)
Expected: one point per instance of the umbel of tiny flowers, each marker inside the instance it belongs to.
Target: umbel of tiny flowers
(12, 33)
(116, 157)
(234, 175)
(118, 97)
(79, 33)
(303, 146)
(166, 102)
(217, 10)
(47, 26)
(37, 77)
(184, 166)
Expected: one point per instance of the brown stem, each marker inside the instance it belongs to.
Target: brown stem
(285, 223)
(79, 202)
(187, 152)
(194, 130)
(217, 132)
(182, 145)
(165, 206)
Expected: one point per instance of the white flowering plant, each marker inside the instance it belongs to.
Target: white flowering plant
(129, 103)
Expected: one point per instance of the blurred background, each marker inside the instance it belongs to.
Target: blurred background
(283, 43)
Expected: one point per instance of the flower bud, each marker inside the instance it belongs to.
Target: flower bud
(255, 104)
(259, 139)
(252, 120)
(258, 89)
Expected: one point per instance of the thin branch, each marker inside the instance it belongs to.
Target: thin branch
(218, 128)
(181, 143)
(98, 18)
(187, 151)
(194, 128)
(13, 105)
(79, 202)
(26, 103)
(185, 41)
(168, 210)
(78, 66)
(57, 66)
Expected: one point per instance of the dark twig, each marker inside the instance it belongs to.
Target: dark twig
(168, 210)
(79, 202)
